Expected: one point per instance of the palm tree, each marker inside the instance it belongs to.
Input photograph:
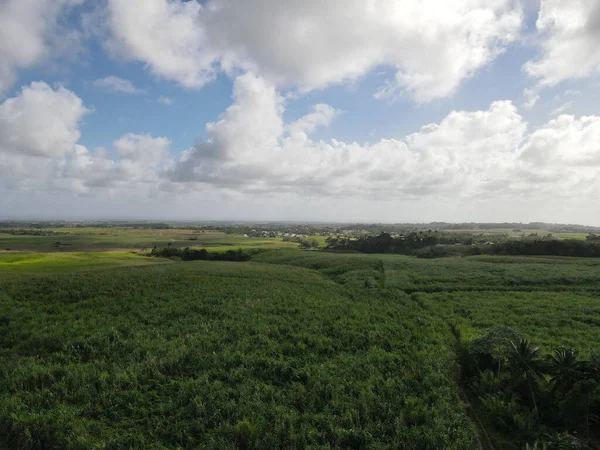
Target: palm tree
(593, 366)
(524, 362)
(566, 370)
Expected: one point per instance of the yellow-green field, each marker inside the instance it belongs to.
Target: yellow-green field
(68, 261)
(80, 248)
(129, 239)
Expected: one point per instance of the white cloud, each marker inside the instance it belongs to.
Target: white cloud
(322, 116)
(116, 84)
(531, 98)
(38, 127)
(141, 159)
(41, 121)
(252, 153)
(470, 155)
(569, 39)
(30, 33)
(566, 142)
(135, 147)
(165, 35)
(433, 46)
(166, 100)
(136, 170)
(252, 150)
(39, 149)
(562, 109)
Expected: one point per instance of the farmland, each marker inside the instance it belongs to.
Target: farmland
(102, 347)
(105, 239)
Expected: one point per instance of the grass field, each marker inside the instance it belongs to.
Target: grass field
(295, 349)
(26, 262)
(105, 239)
(221, 355)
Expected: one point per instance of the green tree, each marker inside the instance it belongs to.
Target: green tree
(565, 369)
(576, 406)
(525, 363)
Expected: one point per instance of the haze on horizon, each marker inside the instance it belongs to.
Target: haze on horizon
(413, 111)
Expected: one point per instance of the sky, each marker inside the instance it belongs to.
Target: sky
(337, 110)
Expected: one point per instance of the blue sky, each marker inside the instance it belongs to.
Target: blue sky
(365, 118)
(412, 111)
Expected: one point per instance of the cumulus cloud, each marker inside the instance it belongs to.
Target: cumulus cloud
(138, 166)
(479, 154)
(29, 33)
(322, 116)
(469, 155)
(41, 121)
(135, 147)
(251, 149)
(38, 128)
(569, 38)
(116, 84)
(432, 46)
(39, 147)
(165, 35)
(565, 142)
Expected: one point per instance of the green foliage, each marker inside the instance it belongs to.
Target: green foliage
(570, 247)
(295, 349)
(219, 355)
(569, 394)
(524, 359)
(565, 369)
(190, 254)
(429, 244)
(99, 239)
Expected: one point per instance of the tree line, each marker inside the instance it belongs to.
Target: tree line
(570, 247)
(432, 244)
(31, 232)
(405, 243)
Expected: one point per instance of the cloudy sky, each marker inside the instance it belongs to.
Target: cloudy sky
(335, 110)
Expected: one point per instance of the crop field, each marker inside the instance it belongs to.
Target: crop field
(104, 239)
(24, 262)
(516, 233)
(293, 349)
(220, 355)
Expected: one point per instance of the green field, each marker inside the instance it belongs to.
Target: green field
(29, 262)
(515, 233)
(106, 239)
(294, 349)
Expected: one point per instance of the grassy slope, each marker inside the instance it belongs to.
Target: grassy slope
(313, 349)
(221, 355)
(550, 319)
(67, 261)
(553, 299)
(477, 273)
